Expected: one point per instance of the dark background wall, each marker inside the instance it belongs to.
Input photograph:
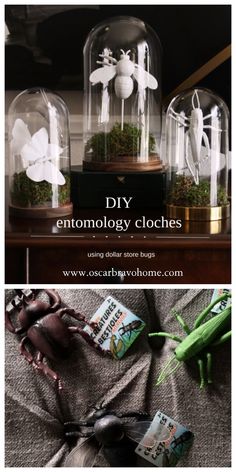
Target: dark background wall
(45, 44)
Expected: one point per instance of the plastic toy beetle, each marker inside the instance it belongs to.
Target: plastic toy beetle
(41, 325)
(198, 341)
(112, 432)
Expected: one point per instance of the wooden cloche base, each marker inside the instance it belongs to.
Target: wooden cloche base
(125, 164)
(41, 212)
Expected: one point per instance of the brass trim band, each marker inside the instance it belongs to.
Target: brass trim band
(198, 213)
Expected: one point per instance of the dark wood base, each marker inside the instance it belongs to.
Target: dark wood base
(125, 164)
(41, 212)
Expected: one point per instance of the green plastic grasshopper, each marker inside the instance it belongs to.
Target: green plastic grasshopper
(198, 341)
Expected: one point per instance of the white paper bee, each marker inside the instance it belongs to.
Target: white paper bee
(37, 154)
(124, 70)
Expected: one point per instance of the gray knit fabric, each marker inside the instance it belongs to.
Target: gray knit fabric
(35, 412)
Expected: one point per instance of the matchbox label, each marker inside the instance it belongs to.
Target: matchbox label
(165, 442)
(117, 327)
(219, 307)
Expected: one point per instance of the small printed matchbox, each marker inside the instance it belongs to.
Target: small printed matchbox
(117, 327)
(219, 307)
(165, 442)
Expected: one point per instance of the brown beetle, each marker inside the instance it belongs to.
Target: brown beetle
(42, 328)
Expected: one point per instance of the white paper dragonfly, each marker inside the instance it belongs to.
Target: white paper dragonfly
(37, 154)
(124, 71)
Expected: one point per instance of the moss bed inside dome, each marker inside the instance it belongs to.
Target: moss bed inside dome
(27, 193)
(186, 193)
(117, 143)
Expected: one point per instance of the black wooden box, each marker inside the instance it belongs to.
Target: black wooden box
(90, 189)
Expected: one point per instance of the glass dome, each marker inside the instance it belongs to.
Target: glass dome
(197, 147)
(122, 96)
(39, 155)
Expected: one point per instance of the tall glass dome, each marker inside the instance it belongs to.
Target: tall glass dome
(122, 96)
(197, 144)
(39, 153)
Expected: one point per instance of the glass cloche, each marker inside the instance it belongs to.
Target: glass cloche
(197, 146)
(122, 96)
(39, 155)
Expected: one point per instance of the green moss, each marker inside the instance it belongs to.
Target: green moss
(126, 142)
(186, 193)
(27, 193)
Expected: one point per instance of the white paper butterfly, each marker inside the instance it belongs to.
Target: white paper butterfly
(36, 153)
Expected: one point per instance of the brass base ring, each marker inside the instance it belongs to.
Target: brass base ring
(198, 213)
